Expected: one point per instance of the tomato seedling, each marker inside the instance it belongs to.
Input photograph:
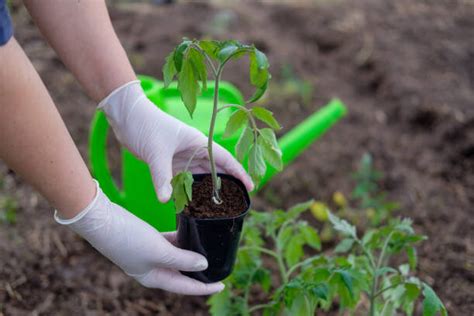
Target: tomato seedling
(190, 62)
(358, 276)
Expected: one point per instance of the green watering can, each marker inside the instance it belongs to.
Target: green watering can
(138, 195)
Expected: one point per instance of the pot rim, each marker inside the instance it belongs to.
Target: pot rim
(239, 183)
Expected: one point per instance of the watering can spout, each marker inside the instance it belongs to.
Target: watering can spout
(296, 141)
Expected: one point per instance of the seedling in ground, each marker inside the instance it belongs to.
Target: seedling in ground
(190, 62)
(359, 277)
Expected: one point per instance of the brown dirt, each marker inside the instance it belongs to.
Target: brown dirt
(233, 200)
(404, 68)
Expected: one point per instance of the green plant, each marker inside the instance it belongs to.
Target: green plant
(190, 62)
(358, 277)
(368, 194)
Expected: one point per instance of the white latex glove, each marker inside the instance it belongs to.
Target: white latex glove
(138, 249)
(162, 141)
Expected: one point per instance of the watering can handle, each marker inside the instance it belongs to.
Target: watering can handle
(98, 158)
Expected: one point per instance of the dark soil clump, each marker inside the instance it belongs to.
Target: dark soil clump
(233, 200)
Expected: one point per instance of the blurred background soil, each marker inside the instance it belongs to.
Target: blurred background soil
(404, 68)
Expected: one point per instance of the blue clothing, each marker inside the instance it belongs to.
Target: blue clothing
(6, 28)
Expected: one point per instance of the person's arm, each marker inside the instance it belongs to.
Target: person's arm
(35, 143)
(83, 36)
(33, 139)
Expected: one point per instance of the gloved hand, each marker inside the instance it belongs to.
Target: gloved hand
(162, 141)
(138, 249)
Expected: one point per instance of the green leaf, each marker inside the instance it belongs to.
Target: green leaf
(266, 117)
(182, 184)
(262, 277)
(346, 279)
(210, 47)
(344, 246)
(342, 226)
(412, 257)
(257, 165)
(342, 284)
(220, 303)
(178, 55)
(188, 86)
(299, 208)
(259, 92)
(271, 151)
(199, 66)
(299, 306)
(311, 236)
(294, 250)
(169, 70)
(431, 303)
(258, 68)
(411, 292)
(226, 51)
(243, 145)
(237, 120)
(284, 236)
(320, 291)
(384, 270)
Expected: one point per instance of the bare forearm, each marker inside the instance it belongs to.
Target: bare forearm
(33, 139)
(83, 36)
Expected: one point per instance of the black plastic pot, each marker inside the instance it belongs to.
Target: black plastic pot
(217, 239)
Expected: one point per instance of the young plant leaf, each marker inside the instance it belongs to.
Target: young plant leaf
(221, 303)
(299, 208)
(258, 68)
(169, 70)
(257, 165)
(178, 55)
(266, 117)
(211, 48)
(182, 184)
(342, 226)
(199, 66)
(237, 120)
(294, 249)
(259, 92)
(431, 303)
(311, 236)
(344, 246)
(188, 85)
(412, 258)
(243, 144)
(227, 50)
(271, 151)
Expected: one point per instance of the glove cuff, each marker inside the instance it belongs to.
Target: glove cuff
(116, 95)
(82, 213)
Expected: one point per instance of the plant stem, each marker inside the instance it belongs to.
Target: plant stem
(373, 291)
(257, 307)
(215, 180)
(300, 264)
(264, 250)
(281, 266)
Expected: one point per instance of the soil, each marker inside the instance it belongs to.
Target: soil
(405, 70)
(202, 206)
